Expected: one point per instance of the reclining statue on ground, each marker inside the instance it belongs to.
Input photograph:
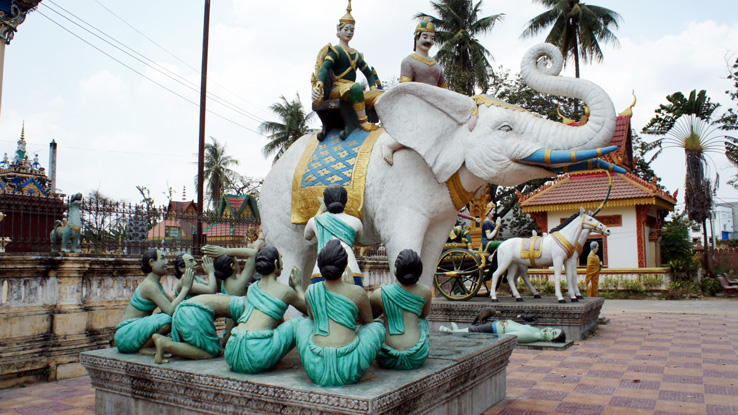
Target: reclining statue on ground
(454, 145)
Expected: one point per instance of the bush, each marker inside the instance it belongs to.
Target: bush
(610, 283)
(710, 286)
(581, 286)
(652, 282)
(631, 285)
(682, 289)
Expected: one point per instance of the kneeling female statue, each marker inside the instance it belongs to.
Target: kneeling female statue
(332, 351)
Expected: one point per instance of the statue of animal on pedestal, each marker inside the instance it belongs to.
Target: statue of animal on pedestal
(454, 144)
(555, 249)
(68, 231)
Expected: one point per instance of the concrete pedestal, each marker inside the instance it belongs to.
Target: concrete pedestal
(577, 320)
(465, 374)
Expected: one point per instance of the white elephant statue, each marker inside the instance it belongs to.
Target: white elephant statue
(454, 144)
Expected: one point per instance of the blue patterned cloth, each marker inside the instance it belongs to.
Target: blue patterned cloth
(333, 160)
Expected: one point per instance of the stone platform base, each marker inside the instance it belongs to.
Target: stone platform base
(465, 374)
(577, 320)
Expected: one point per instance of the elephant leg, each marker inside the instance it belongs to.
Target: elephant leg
(558, 264)
(411, 232)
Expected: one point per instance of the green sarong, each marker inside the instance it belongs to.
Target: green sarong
(336, 366)
(194, 323)
(396, 300)
(132, 334)
(256, 351)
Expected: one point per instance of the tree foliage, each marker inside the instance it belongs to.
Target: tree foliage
(461, 54)
(218, 173)
(642, 159)
(576, 29)
(293, 124)
(698, 104)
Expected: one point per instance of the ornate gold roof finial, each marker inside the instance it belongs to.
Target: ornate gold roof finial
(628, 112)
(347, 18)
(23, 131)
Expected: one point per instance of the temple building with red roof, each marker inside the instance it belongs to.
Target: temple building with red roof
(634, 213)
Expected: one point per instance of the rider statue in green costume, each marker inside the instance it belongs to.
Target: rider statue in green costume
(345, 62)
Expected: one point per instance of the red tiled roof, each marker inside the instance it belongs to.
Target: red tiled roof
(235, 202)
(224, 229)
(591, 187)
(622, 125)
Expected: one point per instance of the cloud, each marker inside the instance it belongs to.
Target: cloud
(104, 85)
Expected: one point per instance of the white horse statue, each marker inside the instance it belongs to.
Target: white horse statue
(553, 249)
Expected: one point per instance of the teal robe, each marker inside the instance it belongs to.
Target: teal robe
(336, 366)
(194, 323)
(396, 300)
(329, 226)
(249, 351)
(132, 334)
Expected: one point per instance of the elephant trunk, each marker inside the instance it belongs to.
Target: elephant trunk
(598, 130)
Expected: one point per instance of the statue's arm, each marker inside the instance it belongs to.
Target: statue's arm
(375, 300)
(365, 310)
(162, 300)
(328, 62)
(296, 295)
(310, 230)
(406, 71)
(207, 266)
(367, 71)
(428, 301)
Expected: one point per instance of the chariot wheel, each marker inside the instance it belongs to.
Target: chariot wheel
(458, 274)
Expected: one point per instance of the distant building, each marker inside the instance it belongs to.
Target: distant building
(634, 213)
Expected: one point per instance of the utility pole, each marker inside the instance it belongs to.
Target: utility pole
(201, 149)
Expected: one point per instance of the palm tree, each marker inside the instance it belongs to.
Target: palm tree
(463, 57)
(293, 126)
(217, 171)
(576, 29)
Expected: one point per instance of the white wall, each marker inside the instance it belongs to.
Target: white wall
(622, 244)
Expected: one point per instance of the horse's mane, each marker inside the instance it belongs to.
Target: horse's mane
(564, 223)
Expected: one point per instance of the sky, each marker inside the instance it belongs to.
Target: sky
(118, 127)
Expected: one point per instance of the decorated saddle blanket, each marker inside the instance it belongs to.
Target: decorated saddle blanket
(530, 248)
(332, 161)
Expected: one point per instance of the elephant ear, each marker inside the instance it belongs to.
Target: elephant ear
(430, 120)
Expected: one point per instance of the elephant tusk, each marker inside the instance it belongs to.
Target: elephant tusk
(590, 165)
(551, 157)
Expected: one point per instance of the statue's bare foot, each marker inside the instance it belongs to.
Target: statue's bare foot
(160, 341)
(387, 153)
(149, 351)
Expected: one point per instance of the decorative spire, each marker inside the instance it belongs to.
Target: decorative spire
(347, 18)
(628, 112)
(23, 131)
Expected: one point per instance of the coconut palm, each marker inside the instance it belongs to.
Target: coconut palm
(218, 174)
(576, 29)
(464, 58)
(283, 134)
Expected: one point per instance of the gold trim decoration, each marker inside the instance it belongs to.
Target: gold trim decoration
(427, 61)
(573, 156)
(566, 245)
(547, 157)
(590, 205)
(305, 201)
(533, 250)
(425, 26)
(405, 79)
(489, 101)
(459, 196)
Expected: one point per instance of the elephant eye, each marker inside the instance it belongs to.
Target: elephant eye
(505, 127)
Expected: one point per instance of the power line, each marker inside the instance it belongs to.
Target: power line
(108, 151)
(146, 77)
(164, 71)
(183, 62)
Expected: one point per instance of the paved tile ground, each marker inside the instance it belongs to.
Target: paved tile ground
(637, 364)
